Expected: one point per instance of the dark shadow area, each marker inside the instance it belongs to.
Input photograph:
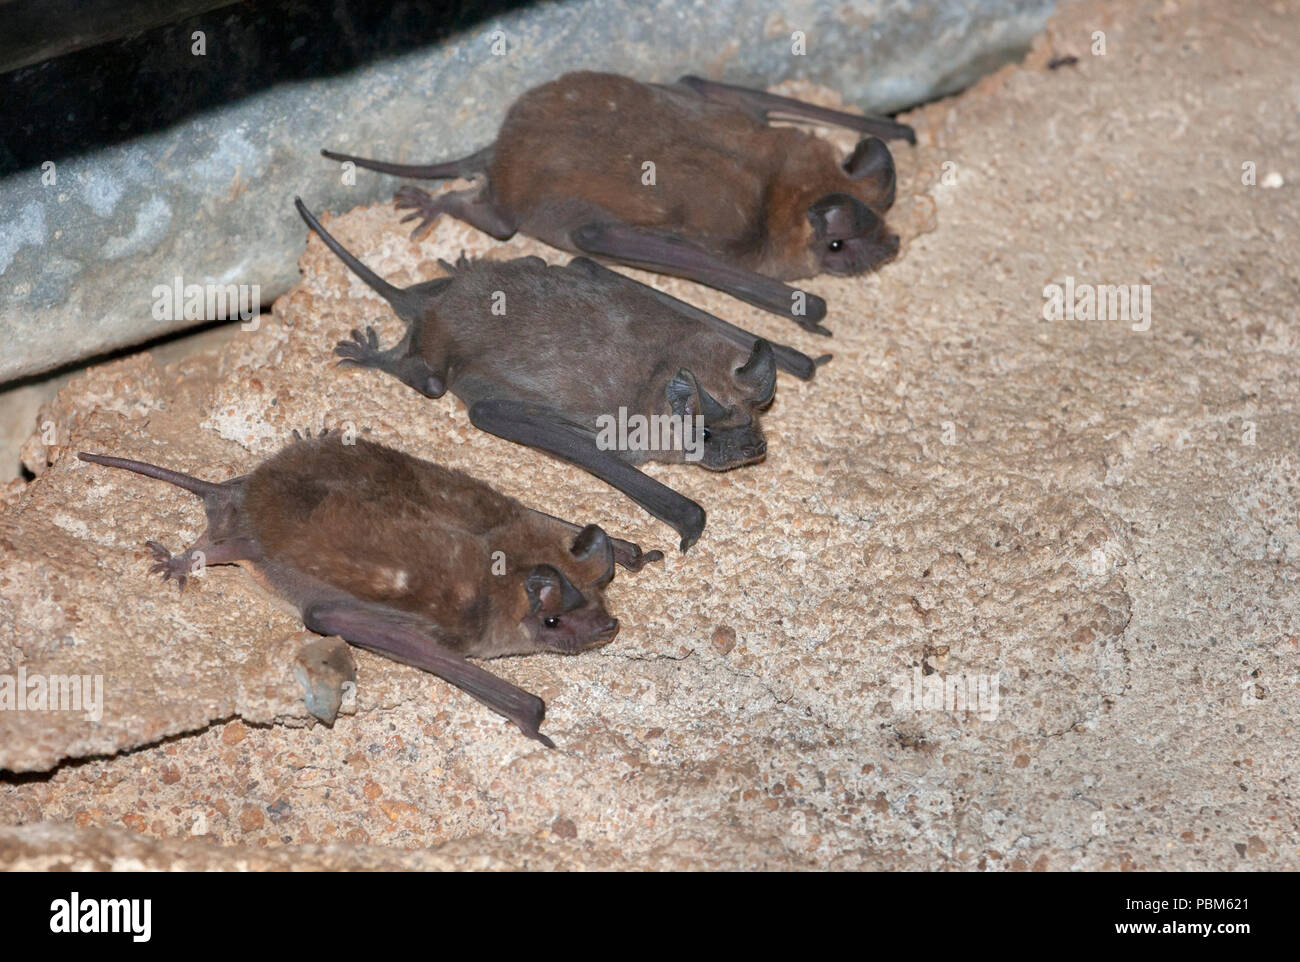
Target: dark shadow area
(153, 343)
(119, 90)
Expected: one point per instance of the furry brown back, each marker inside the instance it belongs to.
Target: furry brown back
(723, 178)
(379, 524)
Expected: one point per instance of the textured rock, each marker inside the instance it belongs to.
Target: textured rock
(1101, 519)
(207, 197)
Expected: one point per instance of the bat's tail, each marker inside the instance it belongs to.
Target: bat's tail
(204, 489)
(393, 295)
(461, 167)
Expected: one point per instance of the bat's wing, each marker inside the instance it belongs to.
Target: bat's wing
(787, 358)
(391, 634)
(666, 253)
(768, 107)
(547, 429)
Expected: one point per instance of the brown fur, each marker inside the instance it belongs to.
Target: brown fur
(410, 534)
(735, 203)
(723, 178)
(412, 560)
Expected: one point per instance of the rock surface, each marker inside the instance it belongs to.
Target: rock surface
(1102, 519)
(206, 196)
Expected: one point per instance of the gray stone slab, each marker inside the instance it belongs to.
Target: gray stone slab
(209, 199)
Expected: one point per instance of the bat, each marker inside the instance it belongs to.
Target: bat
(553, 357)
(733, 203)
(408, 559)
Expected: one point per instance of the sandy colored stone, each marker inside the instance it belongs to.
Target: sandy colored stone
(1101, 519)
(723, 639)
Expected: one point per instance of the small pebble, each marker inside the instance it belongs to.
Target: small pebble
(724, 639)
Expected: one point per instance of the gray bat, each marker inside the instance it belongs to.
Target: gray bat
(545, 356)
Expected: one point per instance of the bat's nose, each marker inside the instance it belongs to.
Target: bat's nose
(598, 637)
(755, 450)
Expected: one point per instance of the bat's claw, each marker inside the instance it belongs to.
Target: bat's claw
(409, 196)
(691, 525)
(362, 349)
(307, 434)
(814, 312)
(420, 230)
(168, 565)
(423, 207)
(528, 716)
(814, 328)
(368, 339)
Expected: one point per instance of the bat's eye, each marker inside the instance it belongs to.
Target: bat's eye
(552, 622)
(836, 245)
(706, 435)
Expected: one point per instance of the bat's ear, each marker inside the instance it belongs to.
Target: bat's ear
(683, 394)
(841, 216)
(548, 590)
(687, 398)
(593, 543)
(758, 374)
(872, 164)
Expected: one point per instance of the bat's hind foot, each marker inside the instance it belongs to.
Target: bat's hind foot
(423, 207)
(474, 206)
(363, 350)
(214, 547)
(169, 565)
(810, 324)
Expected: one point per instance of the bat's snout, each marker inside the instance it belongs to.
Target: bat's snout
(880, 251)
(605, 635)
(735, 451)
